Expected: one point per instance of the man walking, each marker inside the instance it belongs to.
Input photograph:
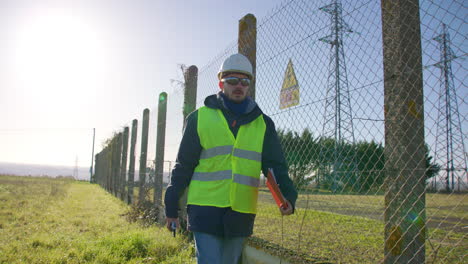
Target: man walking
(225, 146)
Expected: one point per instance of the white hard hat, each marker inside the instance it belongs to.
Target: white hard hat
(236, 63)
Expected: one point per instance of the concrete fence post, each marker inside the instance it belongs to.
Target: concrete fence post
(97, 171)
(117, 169)
(404, 133)
(102, 169)
(113, 162)
(160, 142)
(92, 176)
(108, 167)
(190, 92)
(131, 166)
(190, 104)
(247, 44)
(100, 160)
(123, 164)
(143, 155)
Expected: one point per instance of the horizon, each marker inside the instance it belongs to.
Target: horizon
(40, 170)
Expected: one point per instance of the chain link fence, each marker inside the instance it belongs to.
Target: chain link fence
(320, 77)
(373, 129)
(126, 167)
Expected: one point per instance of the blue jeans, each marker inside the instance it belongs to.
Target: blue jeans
(213, 249)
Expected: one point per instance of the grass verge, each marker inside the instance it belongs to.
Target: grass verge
(315, 236)
(46, 220)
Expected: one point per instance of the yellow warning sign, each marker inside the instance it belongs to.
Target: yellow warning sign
(289, 95)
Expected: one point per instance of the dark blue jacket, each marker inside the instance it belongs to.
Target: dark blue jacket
(214, 220)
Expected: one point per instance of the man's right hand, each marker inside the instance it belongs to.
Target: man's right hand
(169, 221)
(288, 210)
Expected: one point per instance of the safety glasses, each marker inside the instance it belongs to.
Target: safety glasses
(236, 80)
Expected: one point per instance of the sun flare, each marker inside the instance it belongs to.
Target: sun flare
(54, 50)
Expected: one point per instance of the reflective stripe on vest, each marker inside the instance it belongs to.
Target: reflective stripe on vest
(228, 173)
(225, 175)
(212, 176)
(226, 150)
(246, 180)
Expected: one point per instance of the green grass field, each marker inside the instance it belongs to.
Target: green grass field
(46, 220)
(350, 229)
(62, 221)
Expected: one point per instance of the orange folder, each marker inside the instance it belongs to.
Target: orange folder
(275, 191)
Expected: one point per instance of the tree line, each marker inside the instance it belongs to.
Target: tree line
(326, 164)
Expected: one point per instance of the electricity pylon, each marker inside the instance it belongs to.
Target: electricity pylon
(338, 118)
(450, 146)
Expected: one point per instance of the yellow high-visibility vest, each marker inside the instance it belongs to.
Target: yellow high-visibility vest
(228, 173)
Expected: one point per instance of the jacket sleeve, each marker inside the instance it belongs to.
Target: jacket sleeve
(273, 157)
(187, 159)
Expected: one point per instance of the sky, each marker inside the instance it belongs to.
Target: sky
(70, 66)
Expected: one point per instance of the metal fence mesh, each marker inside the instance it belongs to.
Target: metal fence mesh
(363, 191)
(333, 134)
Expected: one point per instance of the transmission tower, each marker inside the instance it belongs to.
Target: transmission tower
(338, 118)
(450, 146)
